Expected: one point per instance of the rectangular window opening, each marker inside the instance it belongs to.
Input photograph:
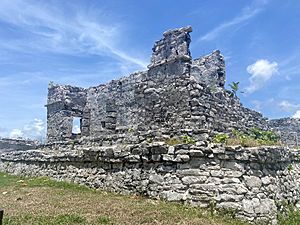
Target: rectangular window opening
(76, 126)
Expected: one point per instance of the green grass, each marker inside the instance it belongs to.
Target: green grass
(42, 201)
(45, 220)
(7, 180)
(292, 217)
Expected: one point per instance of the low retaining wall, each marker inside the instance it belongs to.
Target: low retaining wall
(7, 144)
(251, 182)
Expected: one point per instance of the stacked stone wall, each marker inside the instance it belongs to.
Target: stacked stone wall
(175, 93)
(7, 144)
(251, 182)
(288, 129)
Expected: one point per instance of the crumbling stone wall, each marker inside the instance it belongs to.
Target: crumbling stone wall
(64, 103)
(127, 123)
(175, 93)
(7, 144)
(251, 182)
(288, 129)
(210, 70)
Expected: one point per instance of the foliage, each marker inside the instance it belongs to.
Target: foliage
(61, 203)
(130, 130)
(103, 220)
(64, 219)
(182, 140)
(255, 137)
(188, 139)
(73, 143)
(51, 84)
(221, 138)
(290, 167)
(234, 88)
(291, 217)
(267, 136)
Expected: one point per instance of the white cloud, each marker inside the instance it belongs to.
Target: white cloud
(67, 32)
(261, 71)
(296, 115)
(16, 133)
(288, 106)
(35, 129)
(247, 13)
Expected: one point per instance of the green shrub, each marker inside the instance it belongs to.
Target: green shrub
(261, 135)
(255, 137)
(188, 140)
(221, 138)
(182, 140)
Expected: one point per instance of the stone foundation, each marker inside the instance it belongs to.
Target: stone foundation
(250, 182)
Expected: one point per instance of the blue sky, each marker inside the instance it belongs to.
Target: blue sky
(88, 42)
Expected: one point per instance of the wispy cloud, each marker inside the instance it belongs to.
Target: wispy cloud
(261, 71)
(247, 13)
(50, 29)
(35, 129)
(290, 65)
(288, 106)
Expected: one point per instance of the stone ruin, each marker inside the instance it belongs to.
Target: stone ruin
(176, 93)
(125, 132)
(8, 144)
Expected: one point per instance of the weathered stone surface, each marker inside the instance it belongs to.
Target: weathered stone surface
(175, 97)
(7, 144)
(156, 173)
(150, 133)
(288, 130)
(253, 182)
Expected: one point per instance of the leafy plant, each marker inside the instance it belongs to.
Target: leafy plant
(130, 130)
(234, 88)
(290, 167)
(188, 140)
(267, 136)
(221, 138)
(255, 137)
(183, 140)
(51, 84)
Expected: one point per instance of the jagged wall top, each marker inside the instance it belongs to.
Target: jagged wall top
(174, 46)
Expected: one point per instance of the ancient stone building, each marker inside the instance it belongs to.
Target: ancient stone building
(126, 130)
(175, 93)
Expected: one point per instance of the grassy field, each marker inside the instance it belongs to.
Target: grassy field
(41, 201)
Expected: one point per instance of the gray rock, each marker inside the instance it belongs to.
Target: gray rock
(253, 182)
